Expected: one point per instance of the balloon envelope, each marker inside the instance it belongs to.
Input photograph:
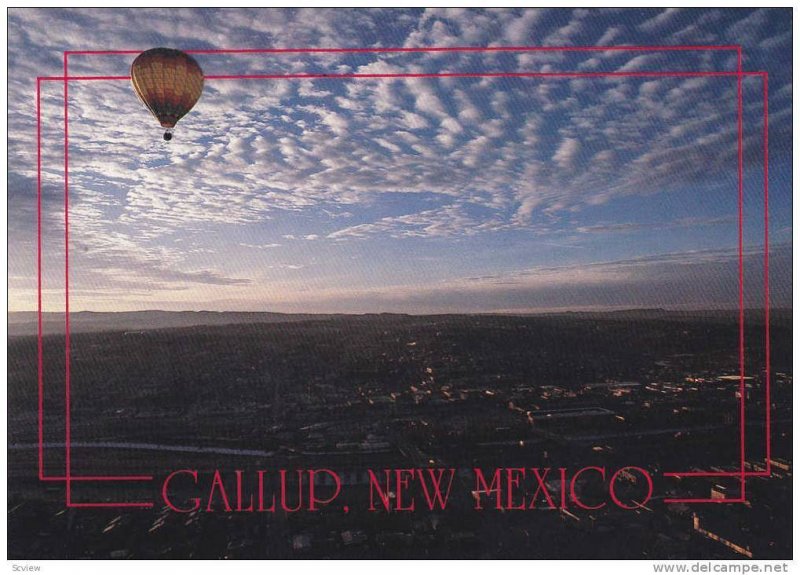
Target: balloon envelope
(169, 82)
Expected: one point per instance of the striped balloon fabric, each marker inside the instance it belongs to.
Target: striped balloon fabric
(169, 82)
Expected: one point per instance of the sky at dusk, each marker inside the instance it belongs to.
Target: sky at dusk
(402, 195)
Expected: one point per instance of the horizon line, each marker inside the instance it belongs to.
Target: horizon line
(611, 309)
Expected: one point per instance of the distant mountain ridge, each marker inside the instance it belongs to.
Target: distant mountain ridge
(25, 323)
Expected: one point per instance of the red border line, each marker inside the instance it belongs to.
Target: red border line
(765, 81)
(39, 343)
(67, 408)
(740, 161)
(101, 478)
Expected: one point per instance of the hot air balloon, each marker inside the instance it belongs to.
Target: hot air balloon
(169, 82)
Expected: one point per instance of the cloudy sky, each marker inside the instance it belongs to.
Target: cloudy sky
(404, 195)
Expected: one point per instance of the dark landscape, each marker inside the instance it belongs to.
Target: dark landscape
(153, 392)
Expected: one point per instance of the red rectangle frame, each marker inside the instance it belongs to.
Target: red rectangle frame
(742, 474)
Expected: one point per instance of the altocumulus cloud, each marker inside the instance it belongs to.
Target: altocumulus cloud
(388, 161)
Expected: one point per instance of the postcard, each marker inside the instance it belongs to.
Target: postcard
(399, 284)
